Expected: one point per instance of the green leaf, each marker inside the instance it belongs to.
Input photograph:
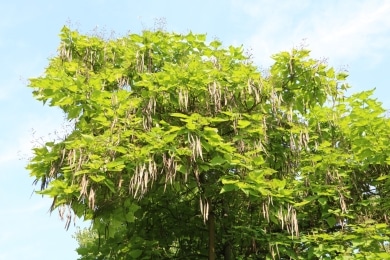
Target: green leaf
(342, 76)
(88, 138)
(116, 165)
(323, 201)
(135, 254)
(217, 160)
(130, 217)
(229, 181)
(215, 44)
(381, 225)
(302, 203)
(330, 73)
(263, 191)
(243, 123)
(110, 185)
(120, 149)
(97, 178)
(74, 112)
(65, 101)
(180, 115)
(331, 221)
(228, 187)
(383, 177)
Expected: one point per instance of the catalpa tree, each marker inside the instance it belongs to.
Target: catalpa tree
(182, 149)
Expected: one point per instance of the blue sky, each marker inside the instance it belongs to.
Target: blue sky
(351, 34)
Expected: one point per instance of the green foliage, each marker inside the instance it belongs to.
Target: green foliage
(180, 145)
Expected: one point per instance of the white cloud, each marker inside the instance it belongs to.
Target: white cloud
(341, 30)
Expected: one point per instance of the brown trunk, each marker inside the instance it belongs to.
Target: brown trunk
(227, 252)
(211, 223)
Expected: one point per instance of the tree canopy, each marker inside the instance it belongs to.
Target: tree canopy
(182, 148)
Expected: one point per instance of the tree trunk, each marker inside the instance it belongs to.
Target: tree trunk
(227, 248)
(227, 252)
(211, 222)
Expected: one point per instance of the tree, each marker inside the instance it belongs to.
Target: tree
(183, 149)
